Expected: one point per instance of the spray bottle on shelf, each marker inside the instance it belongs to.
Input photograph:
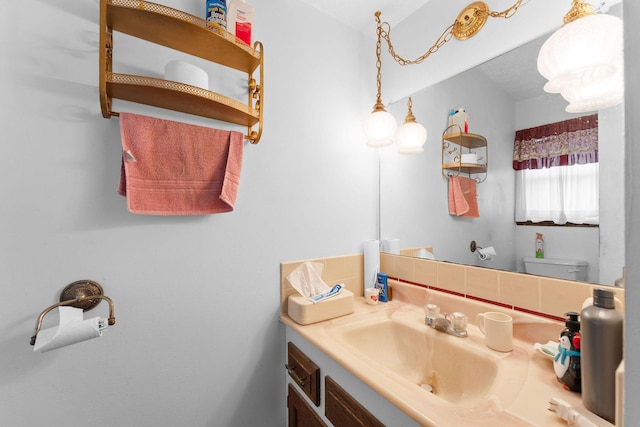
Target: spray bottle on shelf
(539, 245)
(216, 14)
(461, 119)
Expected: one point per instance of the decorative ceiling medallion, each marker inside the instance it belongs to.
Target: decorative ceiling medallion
(470, 20)
(579, 9)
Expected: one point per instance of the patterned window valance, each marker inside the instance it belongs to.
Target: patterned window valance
(569, 142)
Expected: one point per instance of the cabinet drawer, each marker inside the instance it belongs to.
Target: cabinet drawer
(343, 410)
(304, 372)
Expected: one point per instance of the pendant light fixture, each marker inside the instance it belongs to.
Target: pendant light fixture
(380, 126)
(411, 136)
(583, 60)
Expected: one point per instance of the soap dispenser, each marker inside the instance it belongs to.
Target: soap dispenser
(566, 362)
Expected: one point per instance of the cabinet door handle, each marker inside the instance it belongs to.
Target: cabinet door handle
(294, 375)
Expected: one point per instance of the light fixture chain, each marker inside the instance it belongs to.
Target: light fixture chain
(379, 64)
(507, 13)
(386, 34)
(384, 31)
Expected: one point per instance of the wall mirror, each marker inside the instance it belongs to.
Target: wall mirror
(502, 95)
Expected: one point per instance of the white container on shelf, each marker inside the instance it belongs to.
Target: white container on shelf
(187, 73)
(470, 158)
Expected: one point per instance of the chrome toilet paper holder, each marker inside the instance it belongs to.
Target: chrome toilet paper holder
(84, 294)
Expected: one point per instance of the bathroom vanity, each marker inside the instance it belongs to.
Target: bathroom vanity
(403, 373)
(302, 410)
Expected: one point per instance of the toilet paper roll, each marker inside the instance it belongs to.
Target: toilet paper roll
(486, 253)
(391, 246)
(72, 328)
(371, 262)
(187, 73)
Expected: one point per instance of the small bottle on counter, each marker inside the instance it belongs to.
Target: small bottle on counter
(382, 283)
(601, 351)
(539, 245)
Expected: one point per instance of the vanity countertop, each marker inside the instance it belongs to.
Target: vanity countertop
(525, 403)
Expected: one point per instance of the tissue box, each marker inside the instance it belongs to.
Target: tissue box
(305, 312)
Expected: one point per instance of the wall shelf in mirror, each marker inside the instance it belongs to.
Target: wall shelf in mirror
(185, 33)
(457, 146)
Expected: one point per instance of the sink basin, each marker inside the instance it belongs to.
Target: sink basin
(462, 371)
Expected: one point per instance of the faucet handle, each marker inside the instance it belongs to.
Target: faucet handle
(431, 311)
(459, 321)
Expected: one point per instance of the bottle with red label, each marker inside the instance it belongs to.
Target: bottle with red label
(240, 20)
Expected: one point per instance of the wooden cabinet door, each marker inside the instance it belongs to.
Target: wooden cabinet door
(300, 413)
(343, 410)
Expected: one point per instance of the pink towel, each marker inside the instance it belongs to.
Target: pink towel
(462, 197)
(173, 168)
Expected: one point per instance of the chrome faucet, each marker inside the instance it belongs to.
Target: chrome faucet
(456, 326)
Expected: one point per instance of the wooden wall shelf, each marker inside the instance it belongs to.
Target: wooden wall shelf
(189, 34)
(454, 144)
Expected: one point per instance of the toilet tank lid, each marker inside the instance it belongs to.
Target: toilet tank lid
(556, 261)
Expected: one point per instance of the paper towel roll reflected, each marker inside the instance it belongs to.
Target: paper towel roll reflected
(371, 262)
(72, 328)
(391, 246)
(486, 254)
(425, 254)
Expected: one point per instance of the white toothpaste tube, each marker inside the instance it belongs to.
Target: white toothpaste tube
(325, 295)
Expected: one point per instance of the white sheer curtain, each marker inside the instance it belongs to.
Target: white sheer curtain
(561, 194)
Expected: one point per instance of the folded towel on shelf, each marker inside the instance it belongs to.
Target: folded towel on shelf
(173, 168)
(462, 197)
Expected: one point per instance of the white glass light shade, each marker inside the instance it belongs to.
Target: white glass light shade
(582, 52)
(380, 129)
(596, 96)
(410, 138)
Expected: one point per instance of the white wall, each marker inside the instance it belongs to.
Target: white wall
(197, 340)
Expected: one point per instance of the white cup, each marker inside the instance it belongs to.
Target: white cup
(371, 295)
(497, 329)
